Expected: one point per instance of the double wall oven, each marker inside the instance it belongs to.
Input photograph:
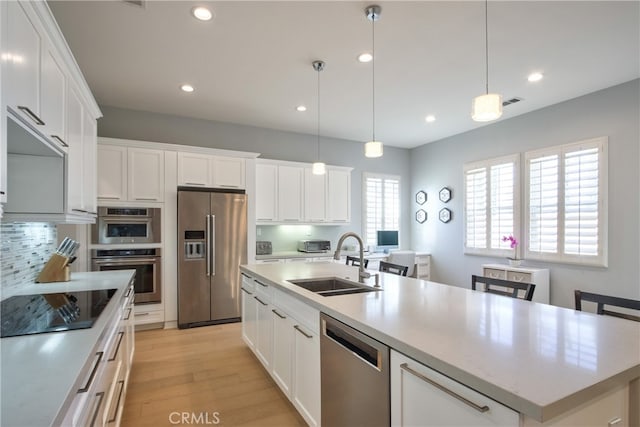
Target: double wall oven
(119, 232)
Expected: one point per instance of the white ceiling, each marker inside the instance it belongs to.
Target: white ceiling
(252, 63)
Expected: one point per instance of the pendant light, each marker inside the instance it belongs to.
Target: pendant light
(318, 168)
(486, 107)
(373, 148)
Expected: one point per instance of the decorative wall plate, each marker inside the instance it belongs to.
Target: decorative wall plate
(421, 197)
(445, 215)
(421, 216)
(444, 195)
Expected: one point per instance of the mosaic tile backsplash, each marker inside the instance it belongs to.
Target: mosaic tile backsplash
(24, 249)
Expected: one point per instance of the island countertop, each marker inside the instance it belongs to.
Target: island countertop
(39, 372)
(538, 359)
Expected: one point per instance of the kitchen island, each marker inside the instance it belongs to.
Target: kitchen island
(42, 374)
(542, 361)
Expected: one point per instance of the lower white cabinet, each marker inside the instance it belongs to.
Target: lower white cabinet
(537, 276)
(147, 316)
(249, 313)
(263, 325)
(421, 396)
(423, 267)
(283, 337)
(306, 374)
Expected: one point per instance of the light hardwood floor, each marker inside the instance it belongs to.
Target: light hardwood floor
(202, 370)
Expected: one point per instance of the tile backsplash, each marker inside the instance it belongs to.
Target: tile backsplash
(24, 249)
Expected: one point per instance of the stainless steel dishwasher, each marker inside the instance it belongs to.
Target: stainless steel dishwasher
(354, 377)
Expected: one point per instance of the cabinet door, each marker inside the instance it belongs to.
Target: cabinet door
(145, 175)
(228, 172)
(306, 375)
(338, 196)
(418, 398)
(52, 97)
(194, 169)
(263, 338)
(249, 317)
(89, 165)
(23, 63)
(290, 193)
(282, 349)
(315, 195)
(75, 157)
(266, 192)
(112, 172)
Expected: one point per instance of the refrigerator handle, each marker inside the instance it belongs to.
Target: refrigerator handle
(212, 257)
(208, 244)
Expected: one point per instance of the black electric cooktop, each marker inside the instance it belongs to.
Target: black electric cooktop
(42, 313)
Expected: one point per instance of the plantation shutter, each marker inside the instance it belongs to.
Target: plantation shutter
(543, 204)
(382, 206)
(476, 208)
(502, 204)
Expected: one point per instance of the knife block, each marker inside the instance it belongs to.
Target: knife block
(55, 270)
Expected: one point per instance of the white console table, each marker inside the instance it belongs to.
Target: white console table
(537, 276)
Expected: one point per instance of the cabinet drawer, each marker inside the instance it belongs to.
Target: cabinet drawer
(516, 276)
(494, 273)
(143, 317)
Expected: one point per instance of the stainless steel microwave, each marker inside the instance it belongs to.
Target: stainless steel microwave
(314, 246)
(118, 225)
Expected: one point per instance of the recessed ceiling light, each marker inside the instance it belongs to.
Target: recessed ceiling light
(301, 108)
(365, 57)
(535, 77)
(202, 13)
(430, 118)
(187, 88)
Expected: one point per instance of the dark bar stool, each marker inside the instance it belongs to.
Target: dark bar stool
(510, 288)
(354, 260)
(387, 267)
(603, 300)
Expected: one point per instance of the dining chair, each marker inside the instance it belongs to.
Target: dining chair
(354, 260)
(507, 288)
(602, 300)
(388, 267)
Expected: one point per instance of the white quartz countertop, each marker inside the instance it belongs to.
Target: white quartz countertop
(328, 255)
(538, 359)
(39, 371)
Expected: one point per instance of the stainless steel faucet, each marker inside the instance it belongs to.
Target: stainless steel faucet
(362, 274)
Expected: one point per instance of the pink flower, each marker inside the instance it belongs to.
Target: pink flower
(513, 240)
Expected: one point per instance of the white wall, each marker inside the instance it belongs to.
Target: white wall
(613, 112)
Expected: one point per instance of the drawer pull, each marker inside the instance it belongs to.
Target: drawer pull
(147, 199)
(109, 197)
(128, 314)
(33, 116)
(142, 314)
(262, 284)
(481, 409)
(128, 291)
(278, 314)
(614, 422)
(93, 373)
(115, 413)
(60, 141)
(260, 301)
(246, 291)
(194, 183)
(297, 328)
(115, 354)
(100, 397)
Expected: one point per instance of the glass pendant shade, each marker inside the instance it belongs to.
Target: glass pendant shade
(486, 107)
(373, 149)
(318, 168)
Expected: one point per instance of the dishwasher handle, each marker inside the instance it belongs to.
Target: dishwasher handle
(360, 345)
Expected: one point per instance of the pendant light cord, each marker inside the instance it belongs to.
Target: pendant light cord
(486, 43)
(318, 124)
(373, 76)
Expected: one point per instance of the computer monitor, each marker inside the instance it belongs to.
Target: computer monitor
(387, 239)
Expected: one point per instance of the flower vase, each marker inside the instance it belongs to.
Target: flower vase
(514, 262)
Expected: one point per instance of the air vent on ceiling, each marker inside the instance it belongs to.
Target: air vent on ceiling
(139, 3)
(511, 101)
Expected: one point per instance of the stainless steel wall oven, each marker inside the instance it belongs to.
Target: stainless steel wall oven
(146, 262)
(118, 225)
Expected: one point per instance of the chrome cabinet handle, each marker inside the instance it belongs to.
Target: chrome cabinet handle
(194, 183)
(278, 314)
(93, 373)
(228, 186)
(115, 354)
(100, 397)
(141, 314)
(128, 291)
(296, 327)
(260, 301)
(147, 199)
(33, 116)
(60, 140)
(264, 219)
(481, 409)
(115, 413)
(262, 284)
(109, 197)
(243, 289)
(128, 315)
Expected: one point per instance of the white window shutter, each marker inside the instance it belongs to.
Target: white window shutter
(382, 205)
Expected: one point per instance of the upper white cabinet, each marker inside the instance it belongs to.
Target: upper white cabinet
(52, 96)
(201, 170)
(130, 174)
(288, 192)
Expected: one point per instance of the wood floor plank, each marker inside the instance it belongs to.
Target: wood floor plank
(199, 372)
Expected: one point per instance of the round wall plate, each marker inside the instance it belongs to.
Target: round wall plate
(444, 195)
(421, 197)
(421, 216)
(445, 215)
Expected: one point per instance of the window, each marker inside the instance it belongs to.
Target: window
(381, 205)
(491, 205)
(566, 200)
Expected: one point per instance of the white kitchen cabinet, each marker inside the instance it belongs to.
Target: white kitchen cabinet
(423, 266)
(89, 164)
(112, 172)
(249, 312)
(290, 193)
(74, 154)
(315, 196)
(339, 195)
(422, 396)
(264, 328)
(148, 316)
(306, 374)
(282, 362)
(145, 175)
(201, 170)
(52, 96)
(537, 276)
(266, 192)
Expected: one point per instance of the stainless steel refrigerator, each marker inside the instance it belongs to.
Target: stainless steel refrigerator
(212, 243)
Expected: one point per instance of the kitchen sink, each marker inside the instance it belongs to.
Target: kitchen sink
(330, 286)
